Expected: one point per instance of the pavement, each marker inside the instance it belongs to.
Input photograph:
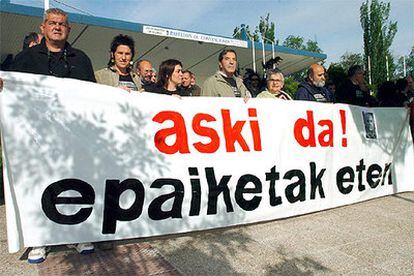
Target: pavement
(374, 237)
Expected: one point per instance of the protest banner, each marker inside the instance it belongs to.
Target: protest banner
(85, 162)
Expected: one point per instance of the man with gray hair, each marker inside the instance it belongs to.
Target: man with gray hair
(313, 88)
(275, 81)
(54, 56)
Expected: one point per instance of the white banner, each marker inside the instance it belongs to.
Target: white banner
(87, 162)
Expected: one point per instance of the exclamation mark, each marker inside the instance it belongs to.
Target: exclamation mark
(343, 123)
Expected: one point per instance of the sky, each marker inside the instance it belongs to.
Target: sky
(334, 24)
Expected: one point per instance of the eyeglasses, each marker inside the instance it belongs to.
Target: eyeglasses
(54, 23)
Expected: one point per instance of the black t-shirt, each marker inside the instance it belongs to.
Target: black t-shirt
(233, 84)
(58, 64)
(351, 93)
(128, 82)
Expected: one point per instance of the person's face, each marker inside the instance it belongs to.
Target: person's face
(360, 76)
(145, 71)
(274, 83)
(122, 57)
(55, 28)
(153, 76)
(228, 64)
(177, 75)
(255, 81)
(332, 88)
(318, 76)
(370, 123)
(186, 79)
(192, 81)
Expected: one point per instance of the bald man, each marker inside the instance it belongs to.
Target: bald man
(144, 71)
(313, 88)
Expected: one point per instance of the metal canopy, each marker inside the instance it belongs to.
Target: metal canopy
(93, 35)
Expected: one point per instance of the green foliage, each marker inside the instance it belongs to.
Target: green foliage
(378, 35)
(291, 86)
(337, 74)
(294, 42)
(409, 61)
(313, 46)
(237, 32)
(298, 42)
(349, 59)
(265, 30)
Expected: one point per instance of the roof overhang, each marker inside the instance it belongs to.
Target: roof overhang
(198, 52)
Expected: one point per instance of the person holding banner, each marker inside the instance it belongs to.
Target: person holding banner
(170, 76)
(55, 57)
(119, 72)
(275, 82)
(224, 83)
(355, 89)
(313, 88)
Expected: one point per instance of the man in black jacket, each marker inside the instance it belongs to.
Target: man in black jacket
(313, 88)
(355, 90)
(54, 56)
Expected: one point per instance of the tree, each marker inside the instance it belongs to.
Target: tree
(409, 63)
(378, 35)
(348, 59)
(337, 74)
(298, 42)
(290, 86)
(294, 42)
(313, 46)
(265, 30)
(237, 33)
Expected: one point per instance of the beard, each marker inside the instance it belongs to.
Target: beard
(319, 84)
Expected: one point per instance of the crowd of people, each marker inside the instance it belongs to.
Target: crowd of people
(49, 53)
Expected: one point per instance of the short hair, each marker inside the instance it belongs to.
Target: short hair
(224, 52)
(54, 11)
(270, 72)
(254, 74)
(121, 40)
(188, 72)
(29, 38)
(166, 69)
(401, 84)
(354, 69)
(141, 61)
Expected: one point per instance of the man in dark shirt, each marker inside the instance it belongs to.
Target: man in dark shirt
(54, 56)
(313, 88)
(354, 90)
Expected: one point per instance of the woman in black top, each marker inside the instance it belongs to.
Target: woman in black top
(169, 78)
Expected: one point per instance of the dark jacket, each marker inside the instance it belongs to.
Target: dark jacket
(308, 92)
(156, 88)
(350, 93)
(72, 63)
